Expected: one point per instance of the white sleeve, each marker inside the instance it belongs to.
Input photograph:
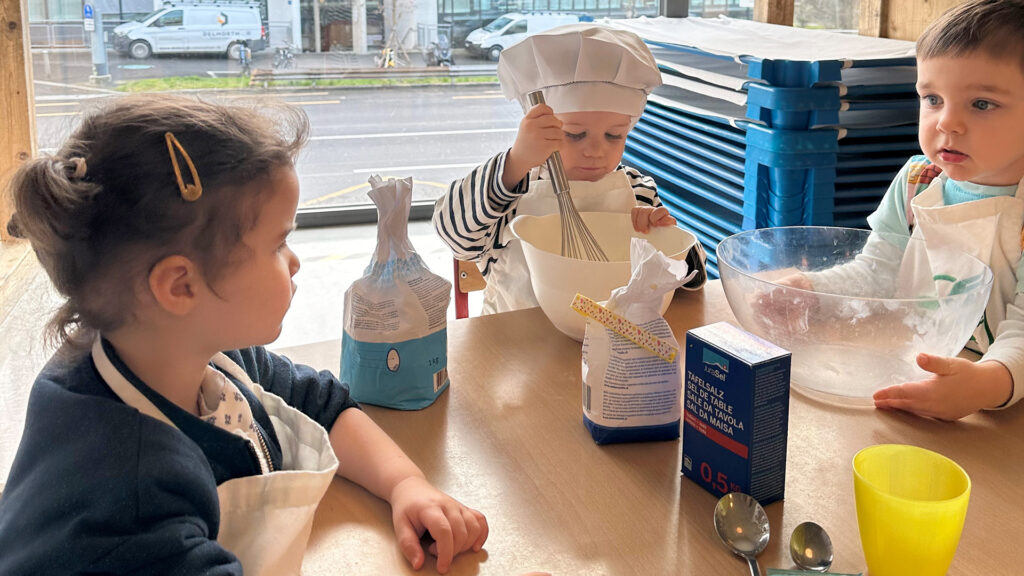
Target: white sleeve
(875, 269)
(871, 273)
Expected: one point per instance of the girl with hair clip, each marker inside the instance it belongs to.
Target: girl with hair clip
(147, 450)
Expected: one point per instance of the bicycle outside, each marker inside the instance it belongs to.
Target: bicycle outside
(284, 57)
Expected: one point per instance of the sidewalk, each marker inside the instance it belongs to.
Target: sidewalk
(75, 67)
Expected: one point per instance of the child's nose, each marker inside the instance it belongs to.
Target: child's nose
(294, 265)
(951, 121)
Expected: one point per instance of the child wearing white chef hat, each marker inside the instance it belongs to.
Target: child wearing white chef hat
(595, 82)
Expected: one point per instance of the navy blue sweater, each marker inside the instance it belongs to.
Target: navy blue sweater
(98, 488)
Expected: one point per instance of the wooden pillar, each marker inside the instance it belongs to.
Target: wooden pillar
(899, 18)
(774, 11)
(874, 18)
(17, 117)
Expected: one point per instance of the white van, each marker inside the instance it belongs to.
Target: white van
(194, 27)
(510, 28)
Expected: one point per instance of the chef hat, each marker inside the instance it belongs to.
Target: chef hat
(580, 68)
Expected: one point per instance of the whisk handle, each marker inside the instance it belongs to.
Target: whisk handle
(559, 180)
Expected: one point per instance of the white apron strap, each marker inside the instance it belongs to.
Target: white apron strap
(220, 360)
(120, 385)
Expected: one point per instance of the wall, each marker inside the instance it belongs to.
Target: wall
(900, 19)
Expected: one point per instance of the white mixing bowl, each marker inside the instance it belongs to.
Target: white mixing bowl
(556, 279)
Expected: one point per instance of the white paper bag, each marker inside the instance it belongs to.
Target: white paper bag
(394, 348)
(629, 393)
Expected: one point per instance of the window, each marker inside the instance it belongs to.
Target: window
(172, 18)
(434, 133)
(826, 14)
(498, 24)
(517, 28)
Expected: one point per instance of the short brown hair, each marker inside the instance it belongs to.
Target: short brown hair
(995, 27)
(105, 207)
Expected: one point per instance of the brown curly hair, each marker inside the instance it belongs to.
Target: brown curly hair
(105, 208)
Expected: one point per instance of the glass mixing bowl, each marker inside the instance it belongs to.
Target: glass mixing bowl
(854, 307)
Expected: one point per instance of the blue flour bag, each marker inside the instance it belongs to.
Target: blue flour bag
(394, 351)
(629, 393)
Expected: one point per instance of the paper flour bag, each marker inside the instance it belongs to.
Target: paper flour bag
(631, 374)
(394, 348)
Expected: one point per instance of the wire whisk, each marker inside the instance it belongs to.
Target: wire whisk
(578, 241)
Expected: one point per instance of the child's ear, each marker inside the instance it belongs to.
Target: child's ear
(174, 283)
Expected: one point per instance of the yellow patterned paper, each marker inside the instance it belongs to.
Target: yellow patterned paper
(641, 337)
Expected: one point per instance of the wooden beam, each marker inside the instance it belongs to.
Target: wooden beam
(17, 115)
(907, 20)
(899, 18)
(874, 18)
(774, 11)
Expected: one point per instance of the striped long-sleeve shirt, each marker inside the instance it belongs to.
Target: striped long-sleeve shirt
(472, 216)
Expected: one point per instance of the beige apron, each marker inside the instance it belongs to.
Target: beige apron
(988, 229)
(264, 520)
(508, 282)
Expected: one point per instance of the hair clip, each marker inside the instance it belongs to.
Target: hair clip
(189, 192)
(14, 228)
(80, 167)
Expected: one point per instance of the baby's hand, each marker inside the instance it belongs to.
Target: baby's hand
(417, 507)
(540, 134)
(644, 217)
(956, 388)
(782, 308)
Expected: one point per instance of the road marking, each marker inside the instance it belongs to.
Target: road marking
(477, 97)
(356, 187)
(43, 105)
(76, 113)
(74, 87)
(313, 102)
(408, 134)
(410, 168)
(275, 96)
(77, 97)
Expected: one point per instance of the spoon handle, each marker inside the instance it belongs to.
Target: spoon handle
(755, 570)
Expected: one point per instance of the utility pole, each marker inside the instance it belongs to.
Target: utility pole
(92, 21)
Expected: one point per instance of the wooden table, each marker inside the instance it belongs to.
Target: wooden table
(507, 438)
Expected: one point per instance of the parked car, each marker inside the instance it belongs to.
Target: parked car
(223, 27)
(510, 28)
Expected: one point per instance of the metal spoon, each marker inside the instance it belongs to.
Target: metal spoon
(743, 527)
(810, 547)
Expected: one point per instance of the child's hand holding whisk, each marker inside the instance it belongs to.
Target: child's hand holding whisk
(540, 134)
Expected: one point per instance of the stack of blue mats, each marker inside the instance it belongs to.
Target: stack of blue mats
(740, 138)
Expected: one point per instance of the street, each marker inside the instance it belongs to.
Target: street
(75, 66)
(432, 133)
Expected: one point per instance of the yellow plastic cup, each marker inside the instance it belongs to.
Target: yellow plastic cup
(911, 505)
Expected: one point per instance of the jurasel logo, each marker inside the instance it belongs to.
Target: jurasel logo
(222, 19)
(715, 365)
